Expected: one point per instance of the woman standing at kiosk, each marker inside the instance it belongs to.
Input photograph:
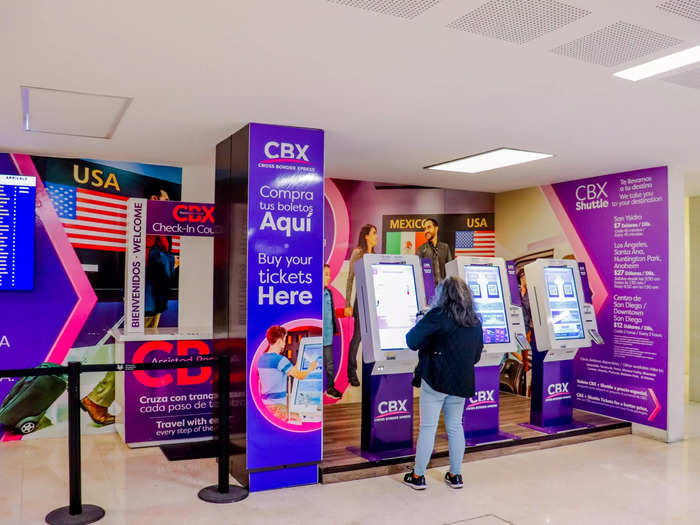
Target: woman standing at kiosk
(366, 242)
(449, 340)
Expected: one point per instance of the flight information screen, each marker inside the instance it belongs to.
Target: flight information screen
(563, 302)
(487, 290)
(309, 391)
(397, 303)
(17, 203)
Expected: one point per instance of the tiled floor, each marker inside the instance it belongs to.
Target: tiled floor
(625, 480)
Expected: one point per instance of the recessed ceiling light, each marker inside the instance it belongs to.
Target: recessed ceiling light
(661, 65)
(72, 113)
(489, 160)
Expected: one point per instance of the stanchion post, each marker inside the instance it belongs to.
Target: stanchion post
(223, 492)
(75, 513)
(224, 415)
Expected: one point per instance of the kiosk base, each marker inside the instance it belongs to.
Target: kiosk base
(382, 455)
(498, 437)
(557, 429)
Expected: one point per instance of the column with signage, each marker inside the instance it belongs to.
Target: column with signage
(269, 185)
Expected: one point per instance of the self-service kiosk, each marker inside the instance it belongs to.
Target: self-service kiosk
(390, 293)
(305, 401)
(564, 320)
(494, 288)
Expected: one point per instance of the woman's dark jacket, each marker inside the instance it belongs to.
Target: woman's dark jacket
(447, 352)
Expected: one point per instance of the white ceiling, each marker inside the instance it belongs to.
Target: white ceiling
(393, 94)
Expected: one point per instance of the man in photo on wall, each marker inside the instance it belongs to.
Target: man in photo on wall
(438, 252)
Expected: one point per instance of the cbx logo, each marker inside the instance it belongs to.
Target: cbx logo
(591, 192)
(193, 213)
(482, 396)
(286, 152)
(557, 390)
(387, 407)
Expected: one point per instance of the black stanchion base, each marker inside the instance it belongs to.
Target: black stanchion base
(212, 494)
(62, 516)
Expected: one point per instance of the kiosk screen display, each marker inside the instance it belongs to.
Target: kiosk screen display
(487, 290)
(17, 203)
(563, 302)
(397, 303)
(310, 390)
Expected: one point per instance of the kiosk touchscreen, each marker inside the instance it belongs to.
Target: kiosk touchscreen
(563, 323)
(501, 318)
(307, 394)
(503, 330)
(560, 317)
(390, 295)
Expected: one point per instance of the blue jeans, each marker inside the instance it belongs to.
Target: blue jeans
(431, 402)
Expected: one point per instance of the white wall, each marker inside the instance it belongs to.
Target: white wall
(197, 254)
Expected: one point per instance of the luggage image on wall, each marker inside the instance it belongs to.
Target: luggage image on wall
(30, 397)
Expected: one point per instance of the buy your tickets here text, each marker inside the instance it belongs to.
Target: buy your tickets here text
(277, 269)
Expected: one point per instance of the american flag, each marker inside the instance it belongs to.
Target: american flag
(479, 243)
(93, 220)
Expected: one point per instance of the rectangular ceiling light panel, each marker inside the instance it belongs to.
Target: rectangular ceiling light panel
(518, 21)
(489, 160)
(661, 65)
(72, 113)
(616, 44)
(408, 9)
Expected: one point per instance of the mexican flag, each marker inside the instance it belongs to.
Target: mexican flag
(403, 243)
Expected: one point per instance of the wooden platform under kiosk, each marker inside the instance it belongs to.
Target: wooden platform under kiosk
(341, 429)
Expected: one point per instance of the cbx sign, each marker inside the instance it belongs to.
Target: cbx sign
(398, 406)
(558, 390)
(482, 397)
(286, 152)
(591, 196)
(198, 213)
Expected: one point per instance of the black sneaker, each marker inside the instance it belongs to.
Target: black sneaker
(333, 392)
(415, 482)
(454, 481)
(354, 381)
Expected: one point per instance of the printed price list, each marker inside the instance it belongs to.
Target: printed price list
(17, 203)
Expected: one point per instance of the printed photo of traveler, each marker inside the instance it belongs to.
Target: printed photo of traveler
(274, 369)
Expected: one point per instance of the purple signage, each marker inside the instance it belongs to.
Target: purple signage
(165, 405)
(285, 283)
(194, 219)
(618, 225)
(388, 432)
(481, 410)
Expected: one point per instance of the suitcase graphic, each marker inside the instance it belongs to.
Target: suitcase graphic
(29, 398)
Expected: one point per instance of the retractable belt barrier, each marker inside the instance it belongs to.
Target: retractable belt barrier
(76, 512)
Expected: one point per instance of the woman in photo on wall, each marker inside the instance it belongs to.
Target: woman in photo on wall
(449, 341)
(366, 242)
(273, 370)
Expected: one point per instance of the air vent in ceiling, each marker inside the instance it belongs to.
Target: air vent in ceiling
(408, 9)
(518, 21)
(616, 44)
(686, 8)
(689, 78)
